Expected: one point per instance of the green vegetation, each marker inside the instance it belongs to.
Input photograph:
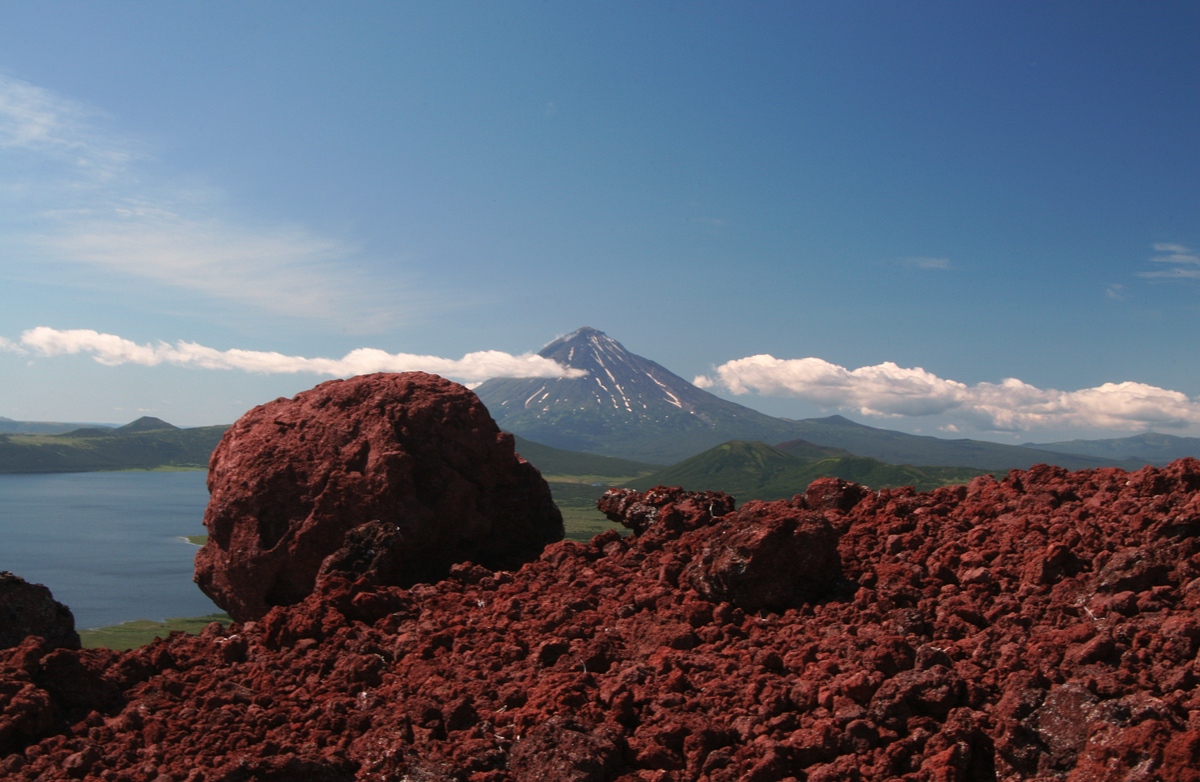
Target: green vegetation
(145, 444)
(577, 501)
(582, 524)
(757, 471)
(577, 480)
(196, 540)
(811, 452)
(142, 631)
(737, 468)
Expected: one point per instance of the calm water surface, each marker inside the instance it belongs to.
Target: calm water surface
(108, 544)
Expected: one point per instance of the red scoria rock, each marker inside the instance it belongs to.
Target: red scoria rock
(392, 476)
(1043, 627)
(29, 609)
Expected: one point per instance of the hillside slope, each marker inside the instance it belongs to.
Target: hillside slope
(757, 471)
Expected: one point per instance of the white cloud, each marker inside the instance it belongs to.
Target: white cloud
(113, 350)
(1011, 405)
(925, 262)
(96, 199)
(1184, 263)
(1176, 249)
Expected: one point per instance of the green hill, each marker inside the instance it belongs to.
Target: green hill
(145, 444)
(811, 452)
(752, 470)
(738, 467)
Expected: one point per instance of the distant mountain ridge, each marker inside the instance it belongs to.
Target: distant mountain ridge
(9, 426)
(1153, 447)
(145, 444)
(630, 407)
(903, 448)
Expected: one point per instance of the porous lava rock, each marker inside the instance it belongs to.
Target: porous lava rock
(394, 477)
(30, 609)
(767, 556)
(1040, 627)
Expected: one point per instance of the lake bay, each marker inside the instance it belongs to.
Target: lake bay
(109, 545)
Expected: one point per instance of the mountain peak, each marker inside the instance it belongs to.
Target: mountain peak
(587, 332)
(593, 351)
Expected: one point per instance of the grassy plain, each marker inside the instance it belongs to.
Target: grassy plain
(142, 631)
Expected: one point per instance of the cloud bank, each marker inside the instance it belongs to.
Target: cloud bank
(1011, 405)
(113, 350)
(100, 200)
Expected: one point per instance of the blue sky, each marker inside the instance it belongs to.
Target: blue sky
(964, 219)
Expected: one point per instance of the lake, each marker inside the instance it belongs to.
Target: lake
(109, 545)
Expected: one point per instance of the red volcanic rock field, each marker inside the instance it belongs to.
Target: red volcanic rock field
(1041, 627)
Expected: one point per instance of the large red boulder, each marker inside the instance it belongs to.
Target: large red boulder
(394, 477)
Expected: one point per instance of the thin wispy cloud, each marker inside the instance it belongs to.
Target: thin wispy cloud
(36, 121)
(112, 350)
(101, 202)
(1011, 405)
(926, 262)
(1181, 263)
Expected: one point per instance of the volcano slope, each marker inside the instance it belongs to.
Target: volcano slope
(1041, 627)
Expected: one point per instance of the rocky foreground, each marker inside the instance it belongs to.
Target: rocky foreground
(1040, 627)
